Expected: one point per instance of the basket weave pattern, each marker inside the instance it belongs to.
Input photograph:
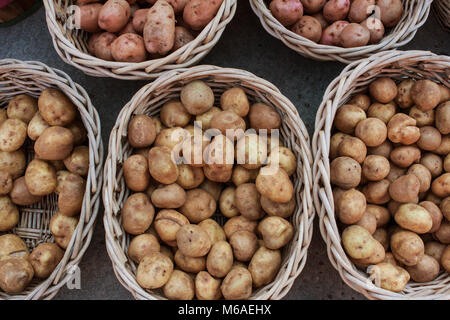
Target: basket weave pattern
(441, 9)
(71, 45)
(18, 77)
(414, 16)
(355, 78)
(149, 100)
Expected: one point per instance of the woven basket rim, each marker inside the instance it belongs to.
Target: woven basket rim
(414, 16)
(185, 56)
(38, 72)
(336, 94)
(228, 77)
(441, 9)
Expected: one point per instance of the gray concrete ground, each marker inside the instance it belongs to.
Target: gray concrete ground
(244, 45)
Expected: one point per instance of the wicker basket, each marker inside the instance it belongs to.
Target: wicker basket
(17, 77)
(441, 9)
(71, 45)
(414, 16)
(353, 79)
(149, 100)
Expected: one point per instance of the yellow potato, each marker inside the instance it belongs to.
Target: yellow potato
(56, 108)
(237, 285)
(220, 259)
(9, 214)
(22, 107)
(207, 287)
(62, 228)
(45, 258)
(154, 271)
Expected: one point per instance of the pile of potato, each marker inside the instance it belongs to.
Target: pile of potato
(60, 166)
(342, 23)
(391, 174)
(136, 31)
(177, 245)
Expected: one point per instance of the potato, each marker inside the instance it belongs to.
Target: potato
(445, 207)
(179, 287)
(129, 47)
(141, 131)
(368, 221)
(345, 172)
(154, 271)
(12, 246)
(264, 266)
(335, 141)
(443, 117)
(426, 94)
(13, 133)
(63, 227)
(93, 40)
(443, 233)
(6, 182)
(377, 257)
(444, 148)
(36, 126)
(40, 178)
(242, 175)
(391, 11)
(45, 258)
(381, 214)
(56, 108)
(376, 29)
(197, 13)
(407, 247)
(235, 100)
(351, 206)
(352, 147)
(423, 118)
(214, 230)
(389, 276)
(239, 223)
(247, 201)
(354, 35)
(405, 189)
(382, 237)
(361, 101)
(193, 241)
(212, 187)
(102, 46)
(404, 156)
(71, 196)
(262, 116)
(360, 10)
(20, 194)
(218, 172)
(433, 163)
(445, 259)
(172, 138)
(384, 112)
(182, 37)
(127, 29)
(251, 152)
(335, 10)
(313, 6)
(237, 285)
(22, 107)
(141, 246)
(13, 163)
(309, 28)
(55, 143)
(15, 275)
(347, 117)
(205, 118)
(167, 224)
(190, 264)
(162, 165)
(383, 90)
(283, 157)
(174, 114)
(358, 242)
(244, 244)
(199, 205)
(413, 217)
(227, 204)
(220, 259)
(447, 163)
(423, 174)
(383, 150)
(137, 214)
(170, 196)
(228, 123)
(272, 208)
(114, 15)
(331, 34)
(430, 138)
(276, 232)
(274, 183)
(427, 269)
(441, 185)
(403, 98)
(375, 168)
(286, 12)
(88, 16)
(434, 249)
(78, 131)
(207, 287)
(9, 214)
(189, 177)
(197, 97)
(371, 131)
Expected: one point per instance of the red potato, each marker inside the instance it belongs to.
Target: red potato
(287, 12)
(360, 10)
(127, 29)
(376, 29)
(313, 6)
(182, 37)
(139, 20)
(308, 27)
(335, 10)
(91, 42)
(354, 35)
(177, 5)
(102, 46)
(198, 13)
(159, 30)
(114, 15)
(319, 17)
(129, 47)
(391, 12)
(88, 16)
(331, 35)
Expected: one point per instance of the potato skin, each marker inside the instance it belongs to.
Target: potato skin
(405, 189)
(15, 275)
(45, 258)
(443, 117)
(114, 15)
(36, 126)
(199, 205)
(354, 35)
(70, 200)
(244, 244)
(413, 217)
(88, 16)
(309, 28)
(335, 10)
(404, 156)
(20, 194)
(13, 162)
(358, 242)
(351, 206)
(236, 100)
(6, 182)
(345, 172)
(62, 228)
(276, 232)
(179, 287)
(286, 12)
(427, 269)
(214, 230)
(167, 224)
(262, 116)
(228, 120)
(78, 161)
(198, 13)
(56, 108)
(375, 168)
(162, 166)
(136, 174)
(274, 183)
(426, 94)
(403, 98)
(237, 285)
(359, 10)
(391, 11)
(197, 97)
(441, 185)
(174, 114)
(142, 245)
(40, 178)
(159, 29)
(445, 259)
(193, 241)
(331, 34)
(182, 37)
(264, 266)
(407, 247)
(9, 214)
(220, 259)
(170, 196)
(190, 264)
(13, 133)
(247, 201)
(22, 107)
(137, 214)
(12, 246)
(55, 143)
(154, 271)
(272, 208)
(390, 277)
(239, 223)
(372, 131)
(129, 47)
(141, 131)
(207, 287)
